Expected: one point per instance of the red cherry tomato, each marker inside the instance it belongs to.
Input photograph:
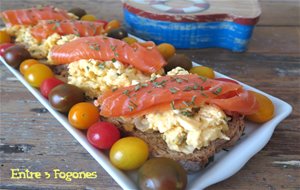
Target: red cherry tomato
(48, 84)
(103, 135)
(102, 21)
(227, 80)
(3, 47)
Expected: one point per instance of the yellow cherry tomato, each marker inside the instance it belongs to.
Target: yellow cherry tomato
(265, 111)
(129, 153)
(88, 17)
(37, 73)
(26, 64)
(4, 37)
(129, 40)
(83, 115)
(203, 71)
(166, 50)
(113, 24)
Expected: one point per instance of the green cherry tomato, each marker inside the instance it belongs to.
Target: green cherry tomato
(162, 174)
(129, 153)
(37, 73)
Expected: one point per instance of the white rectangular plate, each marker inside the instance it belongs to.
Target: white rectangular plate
(225, 164)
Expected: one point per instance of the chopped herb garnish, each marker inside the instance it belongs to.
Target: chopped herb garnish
(87, 68)
(94, 47)
(188, 88)
(101, 66)
(159, 84)
(113, 60)
(114, 89)
(195, 87)
(186, 103)
(113, 48)
(116, 54)
(193, 100)
(179, 80)
(202, 78)
(173, 105)
(187, 113)
(204, 94)
(218, 91)
(173, 90)
(133, 104)
(130, 108)
(137, 87)
(144, 85)
(153, 79)
(126, 92)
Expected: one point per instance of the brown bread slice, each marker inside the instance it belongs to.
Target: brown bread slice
(199, 158)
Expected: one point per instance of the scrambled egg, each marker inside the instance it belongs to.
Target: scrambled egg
(183, 132)
(95, 77)
(37, 49)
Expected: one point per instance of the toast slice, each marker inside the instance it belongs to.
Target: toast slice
(199, 158)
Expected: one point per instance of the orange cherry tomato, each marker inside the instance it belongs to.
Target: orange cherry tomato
(113, 24)
(26, 64)
(265, 111)
(83, 115)
(4, 37)
(166, 50)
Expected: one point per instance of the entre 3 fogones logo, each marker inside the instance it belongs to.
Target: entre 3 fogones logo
(54, 174)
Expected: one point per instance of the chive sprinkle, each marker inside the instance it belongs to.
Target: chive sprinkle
(173, 105)
(126, 92)
(173, 90)
(218, 91)
(202, 78)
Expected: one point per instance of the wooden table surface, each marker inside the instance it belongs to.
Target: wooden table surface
(31, 137)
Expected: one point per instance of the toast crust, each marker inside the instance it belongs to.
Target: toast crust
(199, 158)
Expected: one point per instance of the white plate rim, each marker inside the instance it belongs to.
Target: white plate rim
(208, 177)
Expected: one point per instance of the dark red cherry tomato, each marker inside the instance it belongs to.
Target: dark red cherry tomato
(4, 46)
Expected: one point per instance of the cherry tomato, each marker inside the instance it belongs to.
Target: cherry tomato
(166, 50)
(4, 37)
(113, 24)
(103, 135)
(178, 60)
(15, 55)
(83, 115)
(79, 12)
(203, 71)
(37, 73)
(227, 80)
(102, 21)
(118, 33)
(48, 84)
(265, 111)
(88, 17)
(162, 174)
(4, 46)
(129, 153)
(26, 64)
(129, 40)
(64, 96)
